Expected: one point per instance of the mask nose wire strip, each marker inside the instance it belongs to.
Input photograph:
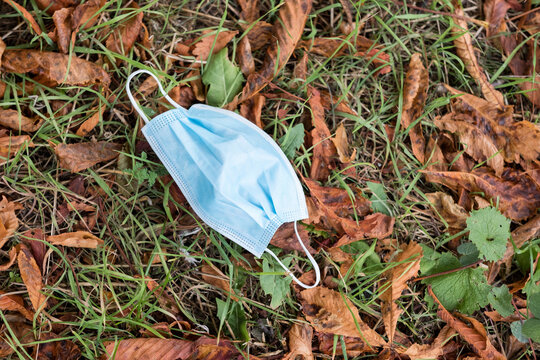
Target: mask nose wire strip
(136, 104)
(315, 266)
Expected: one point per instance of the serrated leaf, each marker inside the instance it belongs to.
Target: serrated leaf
(489, 230)
(234, 314)
(223, 78)
(531, 329)
(275, 285)
(501, 300)
(465, 290)
(292, 140)
(379, 199)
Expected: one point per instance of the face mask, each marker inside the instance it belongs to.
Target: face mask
(233, 174)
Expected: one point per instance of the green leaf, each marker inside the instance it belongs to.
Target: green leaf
(516, 328)
(366, 260)
(501, 300)
(378, 198)
(429, 260)
(292, 140)
(234, 314)
(533, 302)
(470, 253)
(464, 290)
(489, 230)
(278, 286)
(531, 329)
(223, 78)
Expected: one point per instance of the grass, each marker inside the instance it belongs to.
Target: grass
(101, 295)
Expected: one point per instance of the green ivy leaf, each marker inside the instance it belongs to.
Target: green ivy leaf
(223, 78)
(292, 140)
(489, 230)
(278, 286)
(501, 300)
(531, 329)
(465, 290)
(234, 314)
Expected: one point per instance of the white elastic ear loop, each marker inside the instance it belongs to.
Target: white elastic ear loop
(136, 104)
(311, 259)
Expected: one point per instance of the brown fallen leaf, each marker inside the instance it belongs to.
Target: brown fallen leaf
(354, 346)
(80, 156)
(92, 121)
(11, 145)
(373, 226)
(285, 238)
(2, 84)
(250, 10)
(165, 299)
(77, 239)
(260, 35)
(454, 215)
(13, 254)
(324, 151)
(245, 57)
(252, 109)
(396, 277)
(212, 43)
(56, 349)
(54, 5)
(414, 99)
(27, 16)
(471, 330)
(13, 120)
(53, 69)
(18, 330)
(62, 21)
(439, 347)
(465, 50)
(31, 276)
(215, 277)
(85, 15)
(330, 312)
(35, 240)
(339, 104)
(11, 302)
(342, 145)
(124, 36)
(300, 339)
(150, 348)
(8, 220)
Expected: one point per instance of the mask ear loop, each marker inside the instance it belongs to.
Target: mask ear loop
(136, 104)
(311, 259)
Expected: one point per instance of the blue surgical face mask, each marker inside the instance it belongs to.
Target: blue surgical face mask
(233, 174)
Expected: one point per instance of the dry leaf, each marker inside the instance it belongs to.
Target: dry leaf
(354, 346)
(54, 5)
(252, 109)
(11, 145)
(2, 84)
(260, 35)
(35, 239)
(33, 23)
(397, 277)
(31, 276)
(342, 145)
(324, 151)
(250, 10)
(213, 276)
(439, 347)
(85, 15)
(13, 253)
(62, 21)
(300, 339)
(14, 303)
(51, 68)
(92, 121)
(285, 238)
(80, 156)
(245, 57)
(522, 234)
(454, 215)
(330, 312)
(13, 120)
(339, 104)
(8, 219)
(57, 350)
(150, 348)
(206, 45)
(21, 331)
(123, 37)
(77, 239)
(165, 299)
(414, 99)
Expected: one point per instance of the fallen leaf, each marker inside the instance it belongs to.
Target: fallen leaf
(245, 57)
(86, 15)
(342, 145)
(27, 16)
(8, 220)
(80, 156)
(324, 151)
(206, 46)
(396, 277)
(252, 109)
(354, 346)
(11, 145)
(373, 226)
(330, 312)
(339, 104)
(300, 69)
(13, 253)
(300, 339)
(454, 215)
(164, 298)
(77, 239)
(54, 5)
(18, 330)
(150, 348)
(439, 347)
(2, 84)
(123, 37)
(213, 276)
(414, 99)
(54, 69)
(31, 276)
(51, 348)
(285, 238)
(347, 26)
(35, 239)
(11, 302)
(250, 10)
(260, 35)
(14, 120)
(62, 21)
(473, 333)
(465, 50)
(91, 122)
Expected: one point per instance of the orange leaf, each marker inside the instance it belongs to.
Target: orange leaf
(80, 156)
(27, 16)
(13, 120)
(77, 239)
(123, 37)
(331, 312)
(54, 5)
(250, 10)
(2, 49)
(408, 262)
(324, 151)
(14, 303)
(252, 109)
(62, 21)
(12, 257)
(206, 45)
(342, 145)
(10, 145)
(342, 105)
(150, 348)
(91, 122)
(300, 339)
(245, 57)
(454, 214)
(213, 276)
(85, 15)
(31, 275)
(434, 350)
(8, 219)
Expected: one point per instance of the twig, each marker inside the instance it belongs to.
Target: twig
(448, 271)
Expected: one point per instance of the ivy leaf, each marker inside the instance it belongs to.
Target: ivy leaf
(234, 314)
(292, 140)
(277, 286)
(531, 329)
(489, 230)
(223, 78)
(501, 300)
(378, 198)
(465, 290)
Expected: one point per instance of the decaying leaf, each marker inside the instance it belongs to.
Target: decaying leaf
(212, 43)
(56, 349)
(213, 276)
(92, 121)
(123, 37)
(14, 120)
(62, 21)
(342, 145)
(250, 10)
(165, 299)
(11, 145)
(54, 5)
(337, 102)
(439, 347)
(414, 99)
(8, 219)
(454, 215)
(13, 254)
(252, 109)
(85, 15)
(397, 277)
(522, 234)
(80, 156)
(33, 23)
(11, 302)
(146, 348)
(324, 151)
(18, 329)
(285, 238)
(54, 69)
(77, 239)
(330, 312)
(35, 240)
(300, 338)
(31, 275)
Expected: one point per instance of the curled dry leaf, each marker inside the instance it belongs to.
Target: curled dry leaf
(13, 120)
(54, 69)
(123, 37)
(454, 214)
(150, 348)
(80, 156)
(342, 145)
(31, 276)
(11, 145)
(213, 276)
(56, 349)
(252, 109)
(439, 347)
(77, 239)
(54, 5)
(92, 121)
(285, 238)
(414, 99)
(300, 339)
(62, 21)
(35, 239)
(245, 57)
(212, 43)
(324, 151)
(28, 17)
(330, 312)
(250, 10)
(85, 15)
(13, 253)
(465, 50)
(8, 219)
(396, 281)
(14, 303)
